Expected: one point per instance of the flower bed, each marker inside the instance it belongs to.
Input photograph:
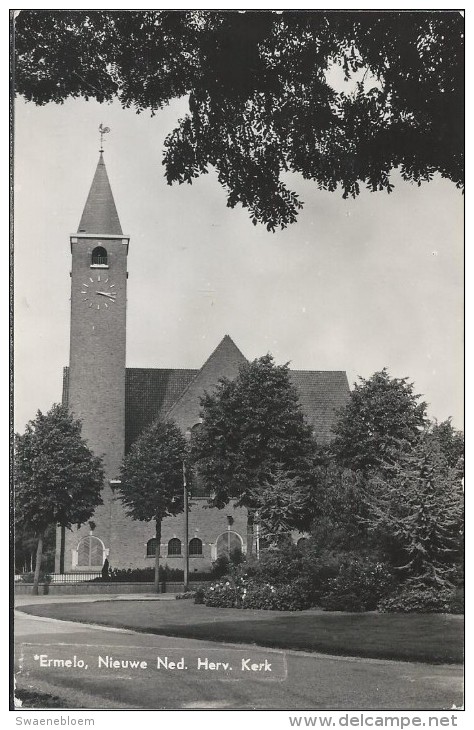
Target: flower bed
(246, 593)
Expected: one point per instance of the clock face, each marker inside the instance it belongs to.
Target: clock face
(99, 292)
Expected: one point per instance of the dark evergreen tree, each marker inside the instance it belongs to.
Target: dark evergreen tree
(415, 510)
(450, 442)
(57, 479)
(152, 478)
(260, 100)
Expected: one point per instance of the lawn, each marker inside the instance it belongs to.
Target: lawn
(436, 638)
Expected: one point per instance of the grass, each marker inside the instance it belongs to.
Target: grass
(434, 638)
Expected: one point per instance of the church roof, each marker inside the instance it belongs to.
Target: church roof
(100, 213)
(149, 394)
(321, 393)
(224, 362)
(172, 393)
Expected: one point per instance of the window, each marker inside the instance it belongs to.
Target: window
(228, 543)
(99, 256)
(195, 546)
(90, 552)
(174, 546)
(151, 548)
(302, 543)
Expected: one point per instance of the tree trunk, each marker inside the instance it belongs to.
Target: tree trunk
(39, 555)
(249, 533)
(157, 554)
(62, 549)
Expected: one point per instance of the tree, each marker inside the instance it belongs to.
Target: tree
(152, 478)
(282, 505)
(57, 478)
(416, 511)
(337, 508)
(252, 426)
(451, 443)
(26, 543)
(382, 418)
(260, 98)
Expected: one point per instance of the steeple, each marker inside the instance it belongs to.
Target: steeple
(100, 214)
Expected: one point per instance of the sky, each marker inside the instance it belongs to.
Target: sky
(354, 285)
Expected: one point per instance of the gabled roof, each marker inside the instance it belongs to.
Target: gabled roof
(100, 213)
(149, 394)
(224, 362)
(322, 393)
(175, 394)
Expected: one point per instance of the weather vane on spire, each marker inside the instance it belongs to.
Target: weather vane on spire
(103, 130)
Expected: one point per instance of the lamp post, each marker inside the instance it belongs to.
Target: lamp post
(257, 542)
(186, 518)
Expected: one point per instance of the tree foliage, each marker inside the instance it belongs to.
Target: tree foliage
(416, 512)
(337, 509)
(382, 418)
(282, 503)
(26, 543)
(152, 477)
(451, 443)
(261, 100)
(250, 427)
(57, 478)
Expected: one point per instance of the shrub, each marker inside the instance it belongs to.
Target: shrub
(293, 596)
(199, 595)
(225, 564)
(185, 595)
(220, 567)
(147, 575)
(359, 585)
(250, 593)
(457, 601)
(279, 565)
(320, 567)
(415, 596)
(222, 594)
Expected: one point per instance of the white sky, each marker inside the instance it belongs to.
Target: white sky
(354, 285)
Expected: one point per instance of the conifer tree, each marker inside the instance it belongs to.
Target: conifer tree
(416, 512)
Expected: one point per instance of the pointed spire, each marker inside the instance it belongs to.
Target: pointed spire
(100, 213)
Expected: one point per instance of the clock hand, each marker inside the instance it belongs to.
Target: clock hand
(106, 294)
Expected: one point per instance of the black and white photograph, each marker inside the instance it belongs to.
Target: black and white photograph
(238, 365)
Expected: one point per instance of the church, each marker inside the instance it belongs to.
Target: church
(116, 403)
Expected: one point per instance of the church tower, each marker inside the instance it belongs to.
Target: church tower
(95, 382)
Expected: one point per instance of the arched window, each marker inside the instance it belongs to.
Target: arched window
(90, 552)
(151, 548)
(99, 256)
(174, 546)
(195, 546)
(228, 542)
(302, 543)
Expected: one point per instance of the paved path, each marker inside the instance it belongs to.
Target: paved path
(217, 676)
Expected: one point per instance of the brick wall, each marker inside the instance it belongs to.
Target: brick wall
(129, 537)
(96, 376)
(224, 362)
